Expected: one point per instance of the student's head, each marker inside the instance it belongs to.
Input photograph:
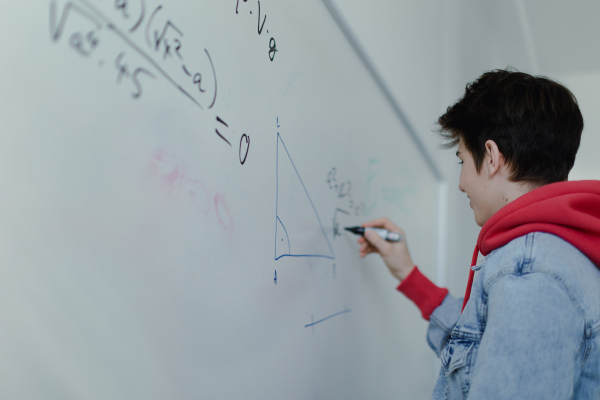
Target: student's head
(515, 132)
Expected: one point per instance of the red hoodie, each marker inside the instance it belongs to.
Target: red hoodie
(569, 210)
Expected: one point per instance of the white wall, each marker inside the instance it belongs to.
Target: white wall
(586, 87)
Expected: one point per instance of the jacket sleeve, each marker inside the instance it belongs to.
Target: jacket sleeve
(442, 321)
(437, 306)
(532, 337)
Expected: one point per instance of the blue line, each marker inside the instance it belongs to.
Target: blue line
(306, 191)
(331, 316)
(286, 234)
(304, 255)
(277, 192)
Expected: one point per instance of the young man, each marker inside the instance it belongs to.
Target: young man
(529, 324)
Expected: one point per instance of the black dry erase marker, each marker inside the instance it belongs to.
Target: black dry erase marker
(383, 233)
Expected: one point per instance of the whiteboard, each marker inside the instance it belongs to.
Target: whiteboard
(175, 177)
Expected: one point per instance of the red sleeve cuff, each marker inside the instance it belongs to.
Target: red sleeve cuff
(421, 291)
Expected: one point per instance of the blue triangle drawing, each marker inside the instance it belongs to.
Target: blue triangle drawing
(298, 228)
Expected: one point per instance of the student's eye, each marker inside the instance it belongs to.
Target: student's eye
(460, 162)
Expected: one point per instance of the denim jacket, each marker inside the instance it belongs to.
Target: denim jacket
(530, 330)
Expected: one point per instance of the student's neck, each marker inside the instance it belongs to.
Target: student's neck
(513, 190)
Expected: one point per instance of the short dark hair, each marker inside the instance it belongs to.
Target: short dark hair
(534, 120)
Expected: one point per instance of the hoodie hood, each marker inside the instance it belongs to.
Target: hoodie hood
(569, 210)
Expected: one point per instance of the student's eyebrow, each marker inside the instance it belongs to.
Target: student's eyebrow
(457, 153)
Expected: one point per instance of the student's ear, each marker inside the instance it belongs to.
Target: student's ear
(494, 159)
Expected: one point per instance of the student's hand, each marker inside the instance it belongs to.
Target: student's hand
(394, 254)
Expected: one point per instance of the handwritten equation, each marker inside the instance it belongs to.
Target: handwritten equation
(260, 27)
(161, 53)
(343, 192)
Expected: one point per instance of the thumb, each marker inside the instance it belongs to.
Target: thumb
(376, 240)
